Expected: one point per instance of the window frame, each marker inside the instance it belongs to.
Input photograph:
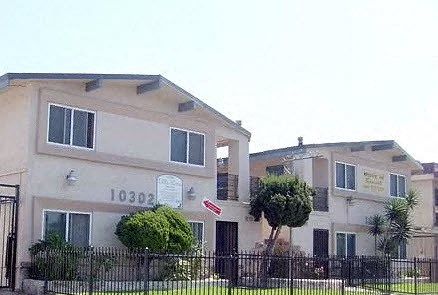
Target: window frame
(73, 109)
(188, 146)
(405, 251)
(345, 175)
(276, 166)
(203, 230)
(389, 182)
(346, 242)
(67, 222)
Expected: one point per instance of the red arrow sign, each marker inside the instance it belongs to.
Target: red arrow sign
(215, 209)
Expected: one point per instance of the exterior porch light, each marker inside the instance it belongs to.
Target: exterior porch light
(191, 194)
(71, 177)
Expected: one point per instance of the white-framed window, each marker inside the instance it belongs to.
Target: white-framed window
(198, 232)
(73, 227)
(397, 185)
(345, 244)
(187, 147)
(345, 176)
(71, 126)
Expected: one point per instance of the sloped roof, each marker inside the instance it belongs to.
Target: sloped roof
(299, 149)
(8, 77)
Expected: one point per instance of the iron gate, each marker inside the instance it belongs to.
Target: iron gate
(9, 195)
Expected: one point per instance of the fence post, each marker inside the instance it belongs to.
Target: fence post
(146, 271)
(389, 274)
(291, 272)
(46, 279)
(90, 280)
(415, 275)
(362, 272)
(230, 274)
(343, 275)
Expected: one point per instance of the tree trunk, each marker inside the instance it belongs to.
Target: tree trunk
(271, 241)
(375, 245)
(270, 244)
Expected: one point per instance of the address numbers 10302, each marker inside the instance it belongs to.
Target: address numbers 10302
(133, 197)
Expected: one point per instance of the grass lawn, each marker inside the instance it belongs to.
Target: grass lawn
(242, 291)
(409, 287)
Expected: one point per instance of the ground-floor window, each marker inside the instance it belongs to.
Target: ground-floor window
(345, 244)
(198, 232)
(400, 251)
(74, 227)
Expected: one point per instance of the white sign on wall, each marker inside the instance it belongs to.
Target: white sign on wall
(373, 181)
(170, 191)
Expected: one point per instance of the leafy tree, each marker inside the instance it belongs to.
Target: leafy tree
(395, 226)
(284, 200)
(161, 228)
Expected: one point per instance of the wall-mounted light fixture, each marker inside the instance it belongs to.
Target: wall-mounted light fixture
(191, 194)
(71, 177)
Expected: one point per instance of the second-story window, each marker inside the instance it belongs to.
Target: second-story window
(397, 185)
(187, 147)
(71, 126)
(345, 176)
(276, 170)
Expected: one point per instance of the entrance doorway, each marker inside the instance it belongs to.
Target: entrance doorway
(320, 242)
(8, 234)
(226, 250)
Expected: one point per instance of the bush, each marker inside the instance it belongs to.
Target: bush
(180, 233)
(55, 259)
(159, 229)
(184, 268)
(144, 229)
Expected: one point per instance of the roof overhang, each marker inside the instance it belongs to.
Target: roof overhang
(397, 154)
(143, 84)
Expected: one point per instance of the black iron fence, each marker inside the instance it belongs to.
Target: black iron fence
(116, 271)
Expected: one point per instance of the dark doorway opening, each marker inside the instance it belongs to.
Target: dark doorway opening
(8, 234)
(226, 250)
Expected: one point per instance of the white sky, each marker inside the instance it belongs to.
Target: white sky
(325, 70)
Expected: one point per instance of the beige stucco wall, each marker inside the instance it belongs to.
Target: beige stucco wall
(424, 213)
(14, 140)
(132, 148)
(348, 210)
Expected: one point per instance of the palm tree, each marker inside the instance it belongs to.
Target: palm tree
(398, 213)
(395, 226)
(376, 223)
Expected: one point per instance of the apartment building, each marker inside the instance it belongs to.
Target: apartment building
(82, 150)
(426, 215)
(352, 181)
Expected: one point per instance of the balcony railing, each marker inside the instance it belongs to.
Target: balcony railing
(320, 199)
(254, 184)
(227, 186)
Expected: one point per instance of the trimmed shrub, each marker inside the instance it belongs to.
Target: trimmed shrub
(180, 233)
(144, 229)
